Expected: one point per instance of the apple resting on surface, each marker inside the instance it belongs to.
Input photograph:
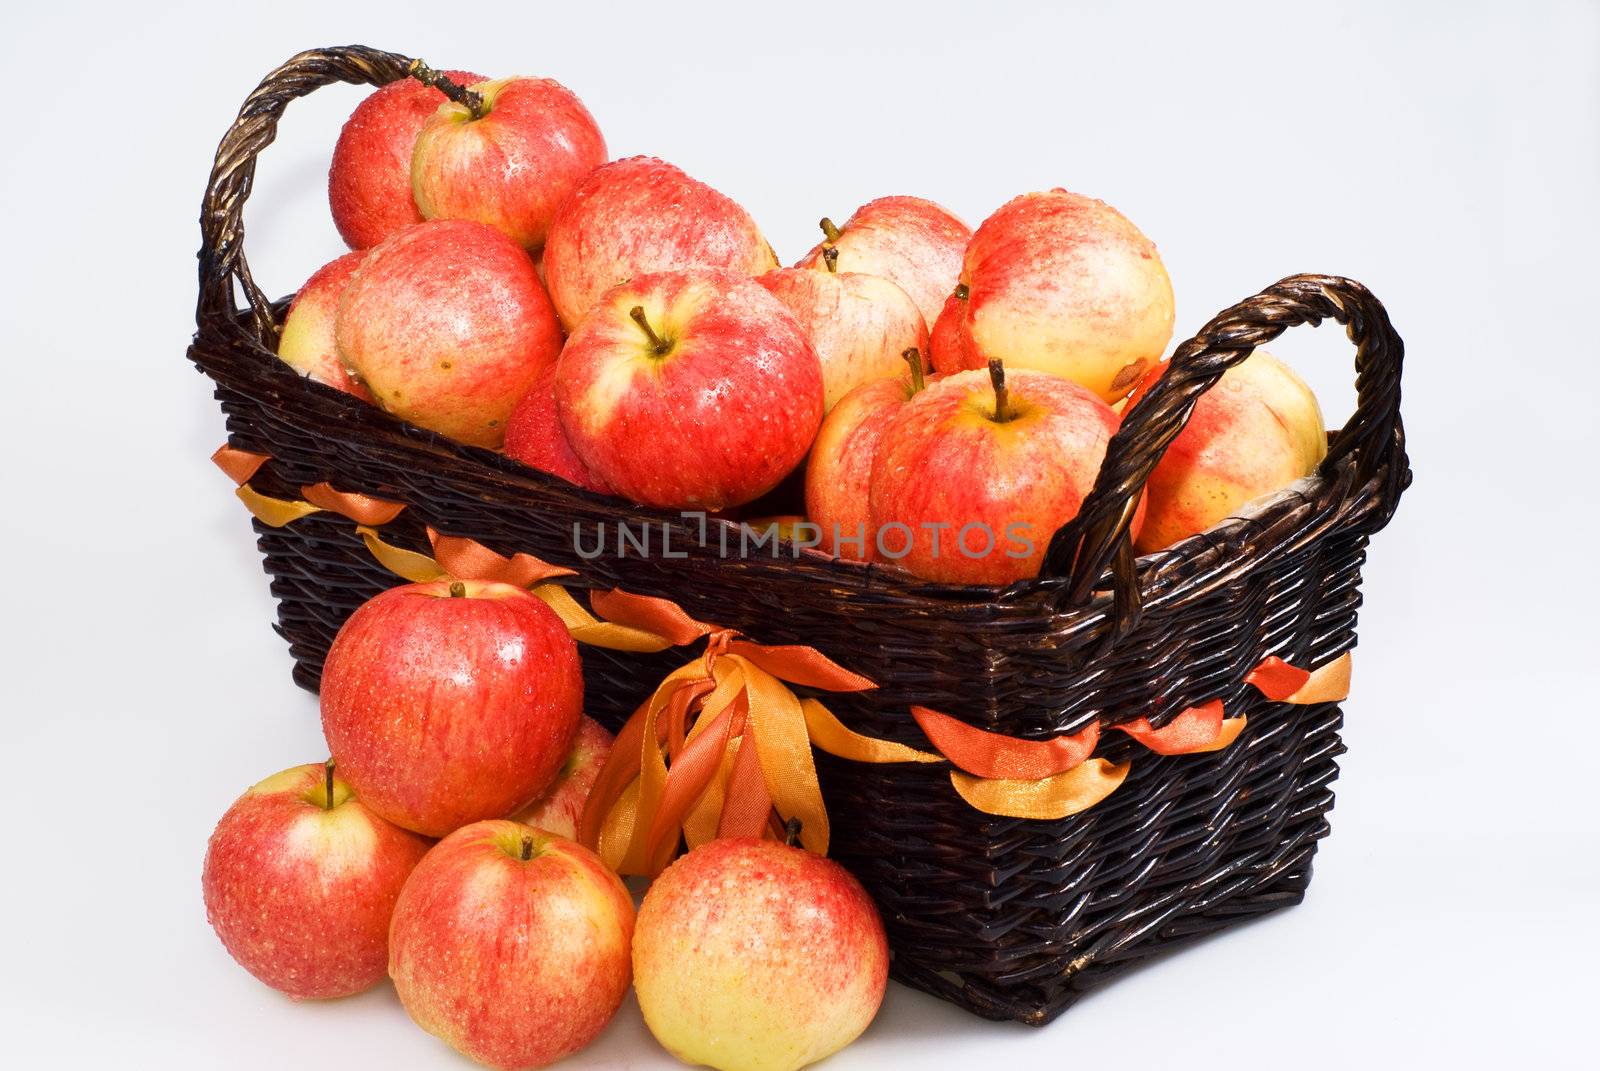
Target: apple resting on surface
(559, 810)
(449, 702)
(510, 945)
(913, 242)
(369, 182)
(975, 474)
(448, 327)
(750, 955)
(300, 880)
(534, 436)
(690, 389)
(1258, 429)
(858, 324)
(1063, 283)
(307, 343)
(642, 215)
(511, 163)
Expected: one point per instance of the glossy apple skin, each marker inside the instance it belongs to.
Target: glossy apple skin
(448, 326)
(944, 459)
(860, 325)
(641, 215)
(947, 342)
(1257, 430)
(753, 956)
(559, 810)
(444, 710)
(913, 242)
(369, 182)
(511, 168)
(719, 419)
(307, 343)
(300, 893)
(512, 962)
(534, 436)
(1065, 284)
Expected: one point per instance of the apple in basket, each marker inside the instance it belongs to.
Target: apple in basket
(511, 945)
(1062, 283)
(750, 955)
(307, 343)
(690, 389)
(300, 879)
(1258, 429)
(534, 436)
(508, 157)
(559, 810)
(975, 474)
(449, 702)
(448, 326)
(642, 215)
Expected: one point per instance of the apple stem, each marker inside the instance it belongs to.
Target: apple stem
(830, 257)
(791, 832)
(458, 590)
(913, 357)
(327, 784)
(467, 98)
(829, 231)
(962, 290)
(527, 848)
(659, 344)
(997, 376)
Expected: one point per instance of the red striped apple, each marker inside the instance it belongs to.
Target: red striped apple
(446, 703)
(750, 955)
(914, 243)
(560, 808)
(946, 341)
(690, 389)
(300, 879)
(369, 182)
(1258, 429)
(447, 325)
(637, 216)
(507, 159)
(534, 436)
(510, 945)
(307, 343)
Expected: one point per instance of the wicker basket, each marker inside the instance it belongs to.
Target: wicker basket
(1010, 918)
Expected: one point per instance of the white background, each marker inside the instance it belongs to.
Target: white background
(1448, 155)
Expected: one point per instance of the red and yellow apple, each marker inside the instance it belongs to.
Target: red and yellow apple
(860, 325)
(510, 945)
(1257, 430)
(690, 389)
(512, 162)
(534, 436)
(913, 242)
(307, 343)
(750, 955)
(449, 702)
(947, 341)
(975, 474)
(447, 325)
(300, 880)
(559, 810)
(369, 182)
(640, 215)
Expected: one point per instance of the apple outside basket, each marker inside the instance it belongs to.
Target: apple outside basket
(1011, 918)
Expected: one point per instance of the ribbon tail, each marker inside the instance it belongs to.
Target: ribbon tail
(778, 727)
(830, 734)
(1065, 794)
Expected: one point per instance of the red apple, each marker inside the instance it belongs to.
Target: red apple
(300, 880)
(1062, 283)
(369, 183)
(1258, 429)
(947, 342)
(510, 945)
(753, 956)
(534, 436)
(560, 808)
(690, 389)
(307, 343)
(512, 162)
(446, 703)
(858, 324)
(641, 215)
(914, 243)
(840, 468)
(447, 325)
(975, 474)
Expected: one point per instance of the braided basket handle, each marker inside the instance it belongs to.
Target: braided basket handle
(222, 260)
(1373, 438)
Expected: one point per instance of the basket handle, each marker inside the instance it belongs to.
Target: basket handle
(222, 260)
(1373, 438)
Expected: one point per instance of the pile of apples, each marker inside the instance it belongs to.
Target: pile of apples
(626, 327)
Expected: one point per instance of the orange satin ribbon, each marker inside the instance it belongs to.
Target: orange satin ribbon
(995, 755)
(241, 465)
(1195, 730)
(1283, 683)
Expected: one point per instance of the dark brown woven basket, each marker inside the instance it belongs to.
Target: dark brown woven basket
(1010, 918)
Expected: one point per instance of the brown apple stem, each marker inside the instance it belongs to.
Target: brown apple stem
(962, 290)
(830, 257)
(829, 231)
(659, 344)
(913, 357)
(327, 784)
(791, 832)
(997, 376)
(467, 98)
(527, 848)
(458, 590)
